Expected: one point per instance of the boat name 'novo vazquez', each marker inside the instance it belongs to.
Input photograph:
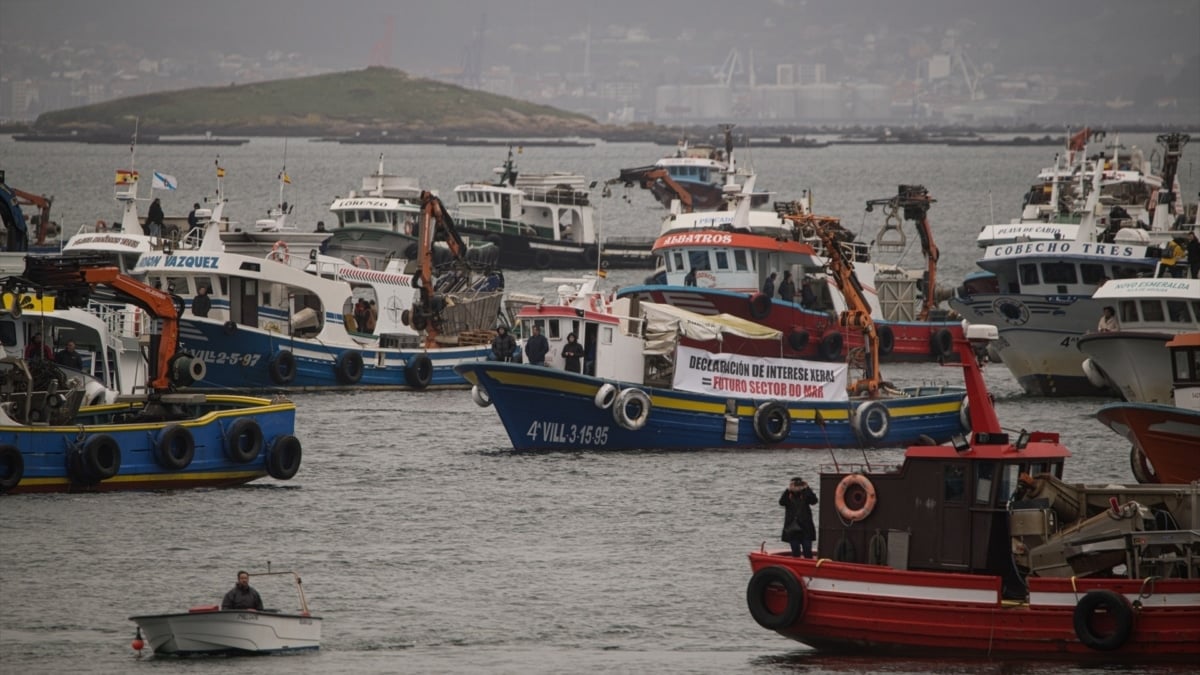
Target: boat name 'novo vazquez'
(189, 261)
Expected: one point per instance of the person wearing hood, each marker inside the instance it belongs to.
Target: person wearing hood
(503, 345)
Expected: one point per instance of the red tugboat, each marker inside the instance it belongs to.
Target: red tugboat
(979, 548)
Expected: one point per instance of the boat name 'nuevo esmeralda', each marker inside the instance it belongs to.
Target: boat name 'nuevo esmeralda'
(1079, 248)
(208, 262)
(767, 370)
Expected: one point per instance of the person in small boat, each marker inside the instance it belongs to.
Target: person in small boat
(1169, 266)
(537, 347)
(362, 317)
(787, 287)
(242, 595)
(1108, 321)
(768, 287)
(202, 303)
(67, 356)
(503, 345)
(573, 354)
(798, 528)
(36, 349)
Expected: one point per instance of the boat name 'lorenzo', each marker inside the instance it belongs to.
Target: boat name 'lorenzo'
(190, 261)
(1086, 248)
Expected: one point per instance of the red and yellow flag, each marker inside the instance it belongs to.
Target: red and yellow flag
(125, 176)
(220, 172)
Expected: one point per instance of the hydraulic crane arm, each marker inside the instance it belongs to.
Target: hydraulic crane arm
(858, 311)
(42, 202)
(434, 217)
(72, 278)
(646, 176)
(915, 202)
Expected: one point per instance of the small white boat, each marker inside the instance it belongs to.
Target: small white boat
(209, 630)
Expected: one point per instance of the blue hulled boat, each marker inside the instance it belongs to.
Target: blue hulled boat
(656, 376)
(50, 441)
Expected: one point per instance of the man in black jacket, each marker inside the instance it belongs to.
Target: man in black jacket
(503, 345)
(242, 596)
(798, 527)
(536, 347)
(202, 303)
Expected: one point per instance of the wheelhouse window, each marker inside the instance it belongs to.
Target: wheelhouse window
(1009, 476)
(1029, 275)
(739, 261)
(677, 256)
(953, 483)
(1092, 273)
(1177, 311)
(722, 260)
(1129, 311)
(984, 475)
(1186, 364)
(1059, 273)
(699, 260)
(555, 330)
(1152, 310)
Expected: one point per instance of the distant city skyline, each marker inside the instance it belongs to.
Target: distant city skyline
(617, 61)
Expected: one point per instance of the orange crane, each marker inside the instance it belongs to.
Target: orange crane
(915, 202)
(858, 312)
(648, 176)
(73, 280)
(427, 313)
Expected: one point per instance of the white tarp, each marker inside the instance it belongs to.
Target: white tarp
(758, 377)
(662, 318)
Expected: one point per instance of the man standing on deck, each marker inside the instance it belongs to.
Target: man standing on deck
(536, 347)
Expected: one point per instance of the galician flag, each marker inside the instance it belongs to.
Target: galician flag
(164, 182)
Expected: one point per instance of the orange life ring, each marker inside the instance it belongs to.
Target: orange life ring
(101, 226)
(362, 262)
(279, 251)
(865, 495)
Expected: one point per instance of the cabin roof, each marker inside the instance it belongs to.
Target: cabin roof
(1185, 340)
(1042, 446)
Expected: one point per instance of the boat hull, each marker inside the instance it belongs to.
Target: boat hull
(1136, 364)
(547, 409)
(524, 251)
(245, 359)
(64, 458)
(1038, 337)
(878, 609)
(1168, 436)
(229, 632)
(910, 340)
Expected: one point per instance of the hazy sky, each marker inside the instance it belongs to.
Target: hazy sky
(430, 34)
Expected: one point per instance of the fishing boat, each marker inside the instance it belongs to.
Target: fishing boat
(1165, 437)
(301, 323)
(1106, 197)
(719, 262)
(19, 229)
(1134, 360)
(51, 441)
(529, 221)
(658, 376)
(980, 549)
(706, 173)
(208, 630)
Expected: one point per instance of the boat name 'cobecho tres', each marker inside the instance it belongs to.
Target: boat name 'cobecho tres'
(979, 548)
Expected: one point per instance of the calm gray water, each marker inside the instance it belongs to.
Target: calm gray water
(425, 542)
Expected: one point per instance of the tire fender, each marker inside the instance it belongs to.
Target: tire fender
(12, 468)
(480, 396)
(175, 447)
(419, 371)
(283, 459)
(871, 422)
(243, 440)
(772, 422)
(631, 398)
(605, 395)
(282, 367)
(756, 600)
(1115, 606)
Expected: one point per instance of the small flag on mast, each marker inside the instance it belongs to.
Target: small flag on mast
(163, 181)
(125, 176)
(220, 172)
(285, 178)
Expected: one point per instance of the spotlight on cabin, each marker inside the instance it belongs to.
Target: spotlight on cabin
(960, 443)
(1022, 439)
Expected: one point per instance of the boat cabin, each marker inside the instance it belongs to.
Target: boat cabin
(1170, 305)
(1185, 370)
(1058, 268)
(552, 206)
